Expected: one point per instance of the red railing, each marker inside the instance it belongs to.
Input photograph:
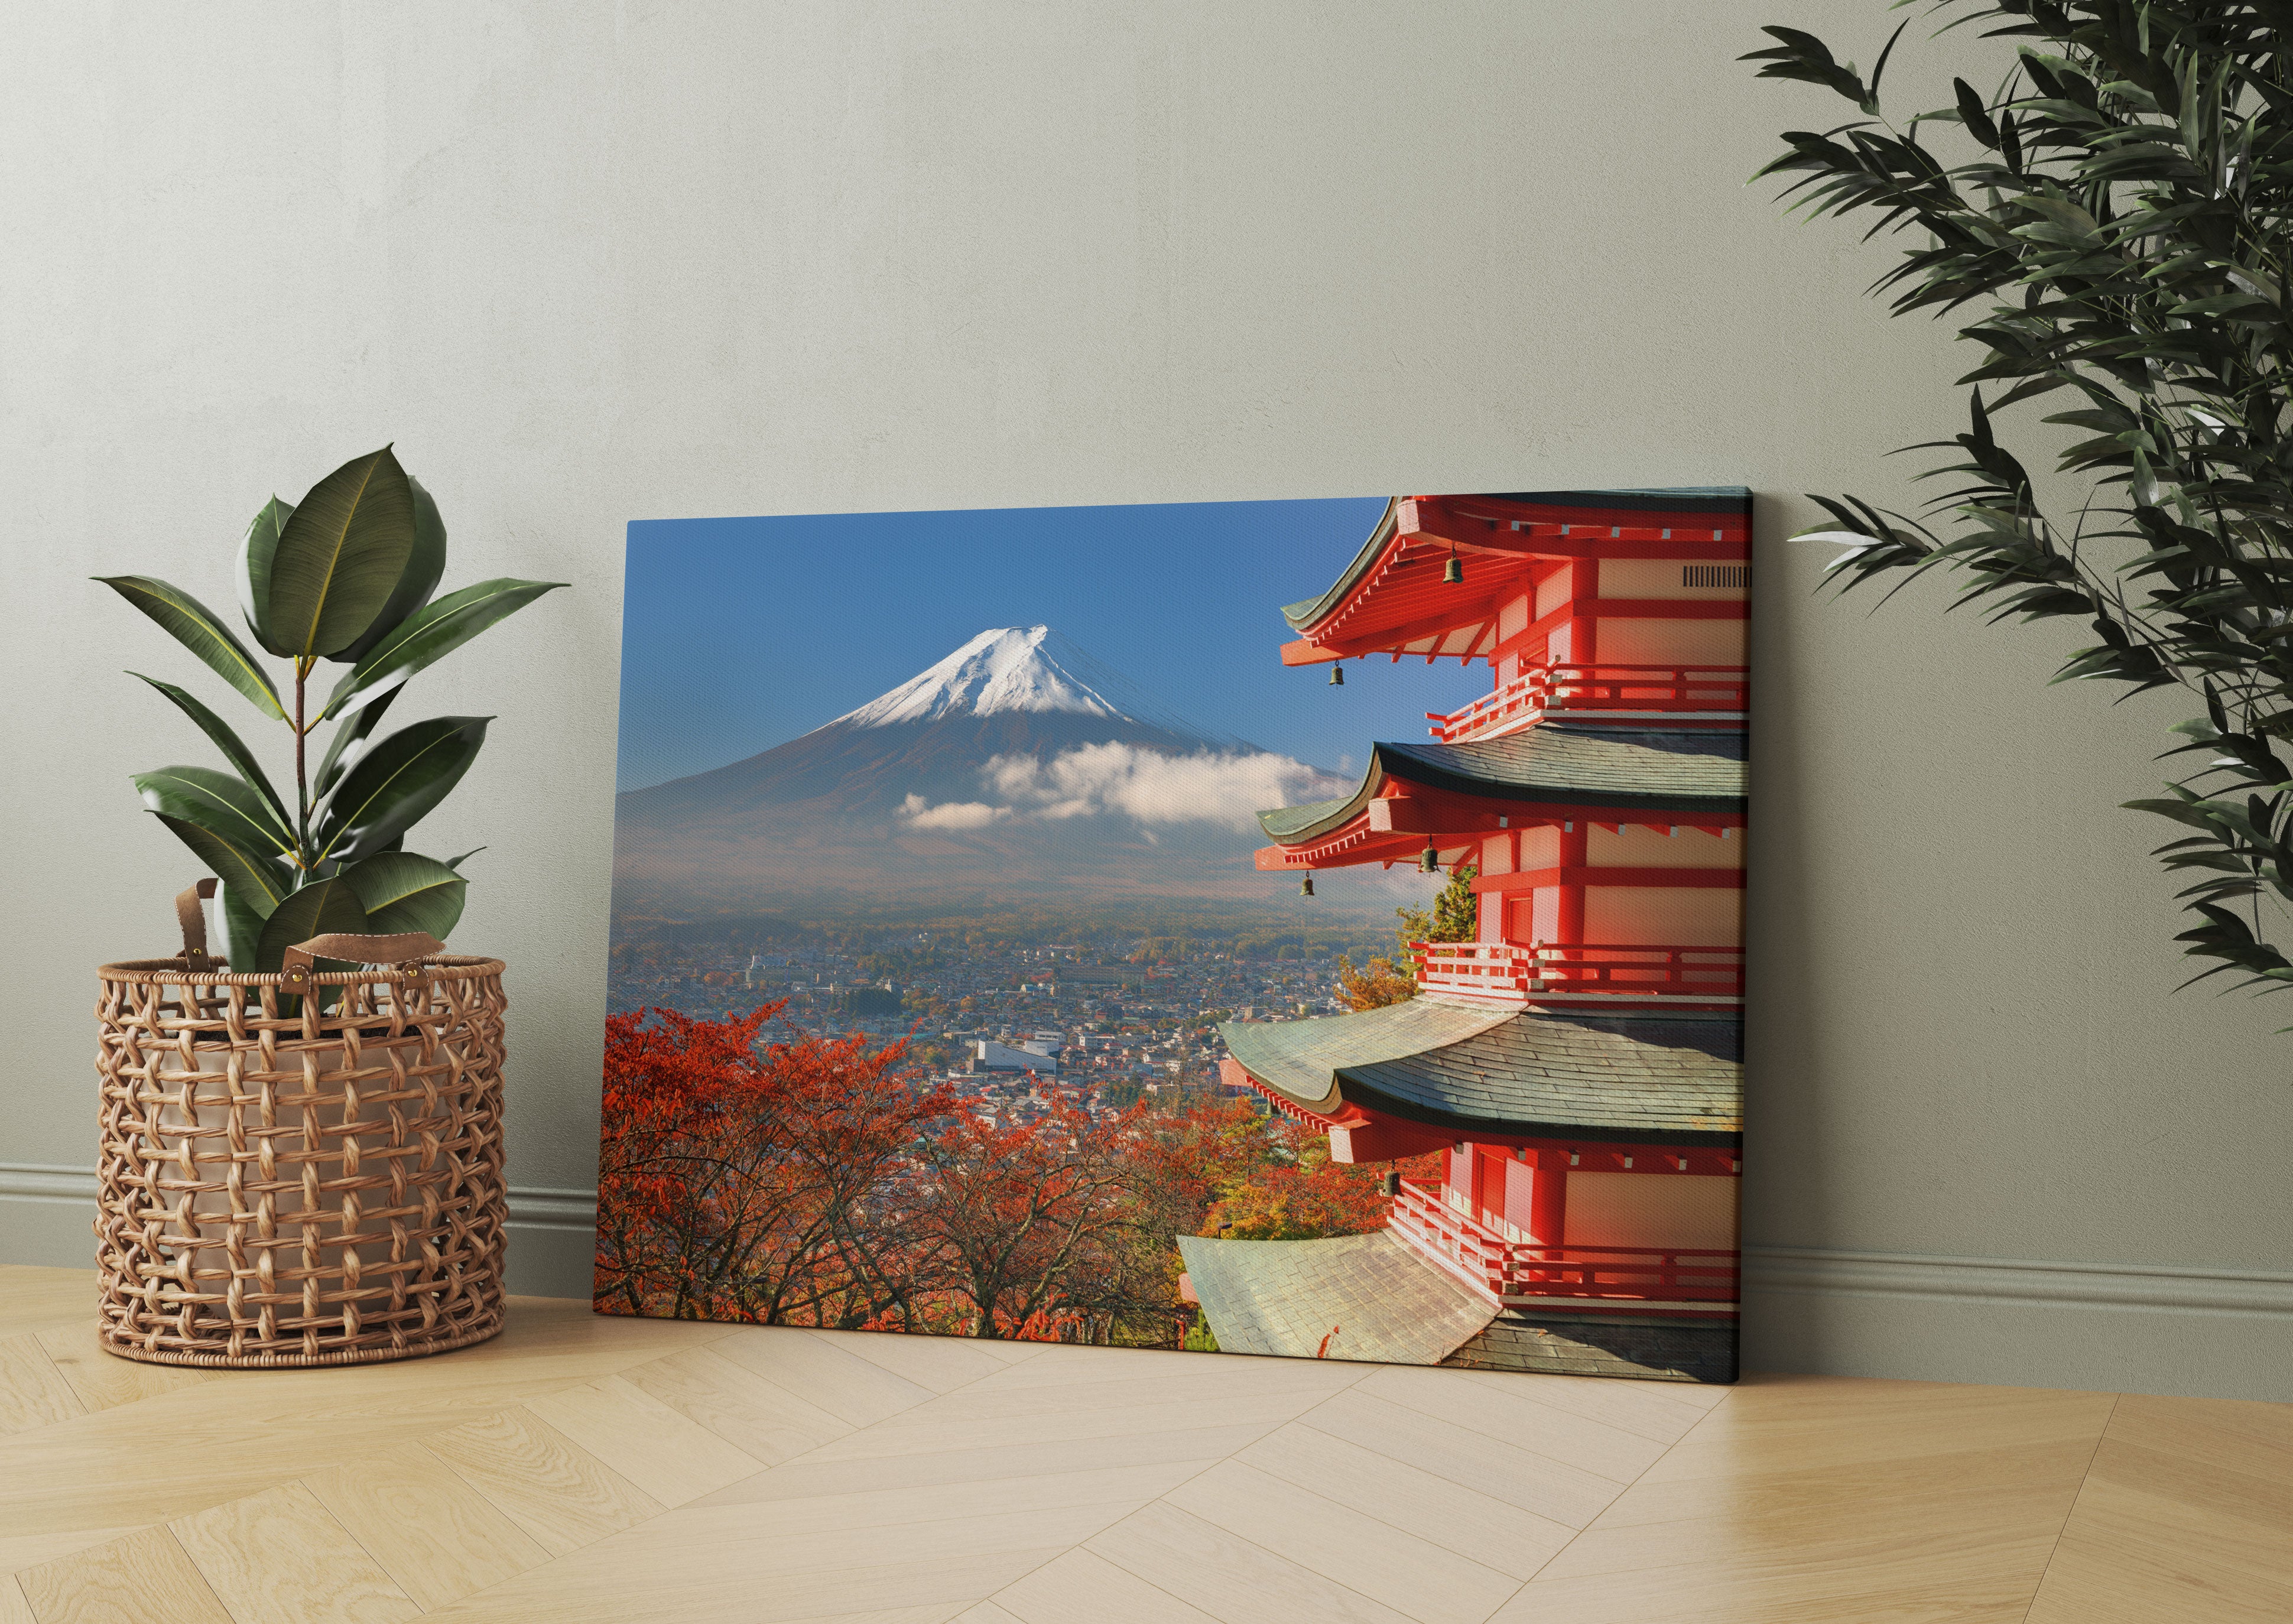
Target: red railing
(1710, 691)
(1501, 969)
(1515, 1271)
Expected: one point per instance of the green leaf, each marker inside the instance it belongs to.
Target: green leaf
(228, 742)
(340, 556)
(262, 880)
(242, 926)
(403, 891)
(321, 908)
(430, 635)
(256, 550)
(424, 566)
(395, 784)
(196, 627)
(456, 863)
(216, 801)
(348, 744)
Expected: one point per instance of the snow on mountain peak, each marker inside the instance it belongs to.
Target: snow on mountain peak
(1015, 667)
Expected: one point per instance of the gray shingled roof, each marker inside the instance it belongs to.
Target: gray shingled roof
(1686, 771)
(1673, 1077)
(1370, 1296)
(1683, 498)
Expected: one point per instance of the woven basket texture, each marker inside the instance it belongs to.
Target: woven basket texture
(288, 1184)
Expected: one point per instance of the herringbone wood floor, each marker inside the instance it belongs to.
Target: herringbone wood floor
(617, 1470)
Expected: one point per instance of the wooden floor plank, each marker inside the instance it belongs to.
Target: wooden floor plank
(758, 1416)
(1415, 1577)
(1230, 1578)
(430, 1530)
(1406, 1496)
(2159, 1536)
(280, 1558)
(852, 1389)
(1467, 1456)
(1084, 1585)
(32, 1393)
(143, 1579)
(1517, 1416)
(666, 1453)
(837, 1478)
(561, 1495)
(941, 1363)
(102, 1380)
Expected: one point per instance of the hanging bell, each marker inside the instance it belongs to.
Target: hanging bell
(1452, 572)
(1337, 675)
(1305, 886)
(1429, 861)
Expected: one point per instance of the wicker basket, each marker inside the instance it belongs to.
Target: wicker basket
(292, 1176)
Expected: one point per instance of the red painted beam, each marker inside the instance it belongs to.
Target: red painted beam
(1716, 879)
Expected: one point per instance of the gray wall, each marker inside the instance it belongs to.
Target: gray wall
(586, 263)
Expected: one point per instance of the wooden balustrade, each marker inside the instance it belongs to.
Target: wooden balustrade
(1516, 1270)
(1712, 692)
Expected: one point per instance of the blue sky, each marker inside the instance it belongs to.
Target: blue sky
(739, 634)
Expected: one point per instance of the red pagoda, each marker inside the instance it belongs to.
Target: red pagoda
(1578, 1064)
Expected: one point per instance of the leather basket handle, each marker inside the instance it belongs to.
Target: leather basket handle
(297, 963)
(193, 920)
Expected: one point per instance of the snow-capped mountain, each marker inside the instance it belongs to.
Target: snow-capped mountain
(1014, 668)
(989, 737)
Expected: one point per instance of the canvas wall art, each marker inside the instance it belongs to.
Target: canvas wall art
(1306, 929)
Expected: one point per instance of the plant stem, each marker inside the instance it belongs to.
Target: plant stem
(302, 785)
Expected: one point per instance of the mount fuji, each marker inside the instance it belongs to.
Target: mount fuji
(1016, 766)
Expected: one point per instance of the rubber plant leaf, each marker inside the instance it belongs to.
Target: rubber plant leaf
(217, 802)
(340, 556)
(195, 626)
(424, 566)
(259, 881)
(438, 629)
(396, 784)
(255, 551)
(233, 748)
(242, 925)
(320, 908)
(402, 890)
(349, 744)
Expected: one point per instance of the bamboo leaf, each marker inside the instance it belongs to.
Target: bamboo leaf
(197, 628)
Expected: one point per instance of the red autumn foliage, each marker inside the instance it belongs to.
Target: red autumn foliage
(804, 1181)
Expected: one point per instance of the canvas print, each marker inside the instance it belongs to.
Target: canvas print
(1306, 929)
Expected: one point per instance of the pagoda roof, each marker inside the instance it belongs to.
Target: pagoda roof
(1670, 1077)
(1372, 1296)
(1688, 771)
(1563, 506)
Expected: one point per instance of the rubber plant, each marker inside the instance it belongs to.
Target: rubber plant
(2112, 226)
(346, 576)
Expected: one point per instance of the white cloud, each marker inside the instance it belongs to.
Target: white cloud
(950, 815)
(1225, 791)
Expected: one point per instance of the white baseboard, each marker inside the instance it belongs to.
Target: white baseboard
(530, 1207)
(2025, 1281)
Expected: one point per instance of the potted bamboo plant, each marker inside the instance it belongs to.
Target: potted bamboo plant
(302, 1131)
